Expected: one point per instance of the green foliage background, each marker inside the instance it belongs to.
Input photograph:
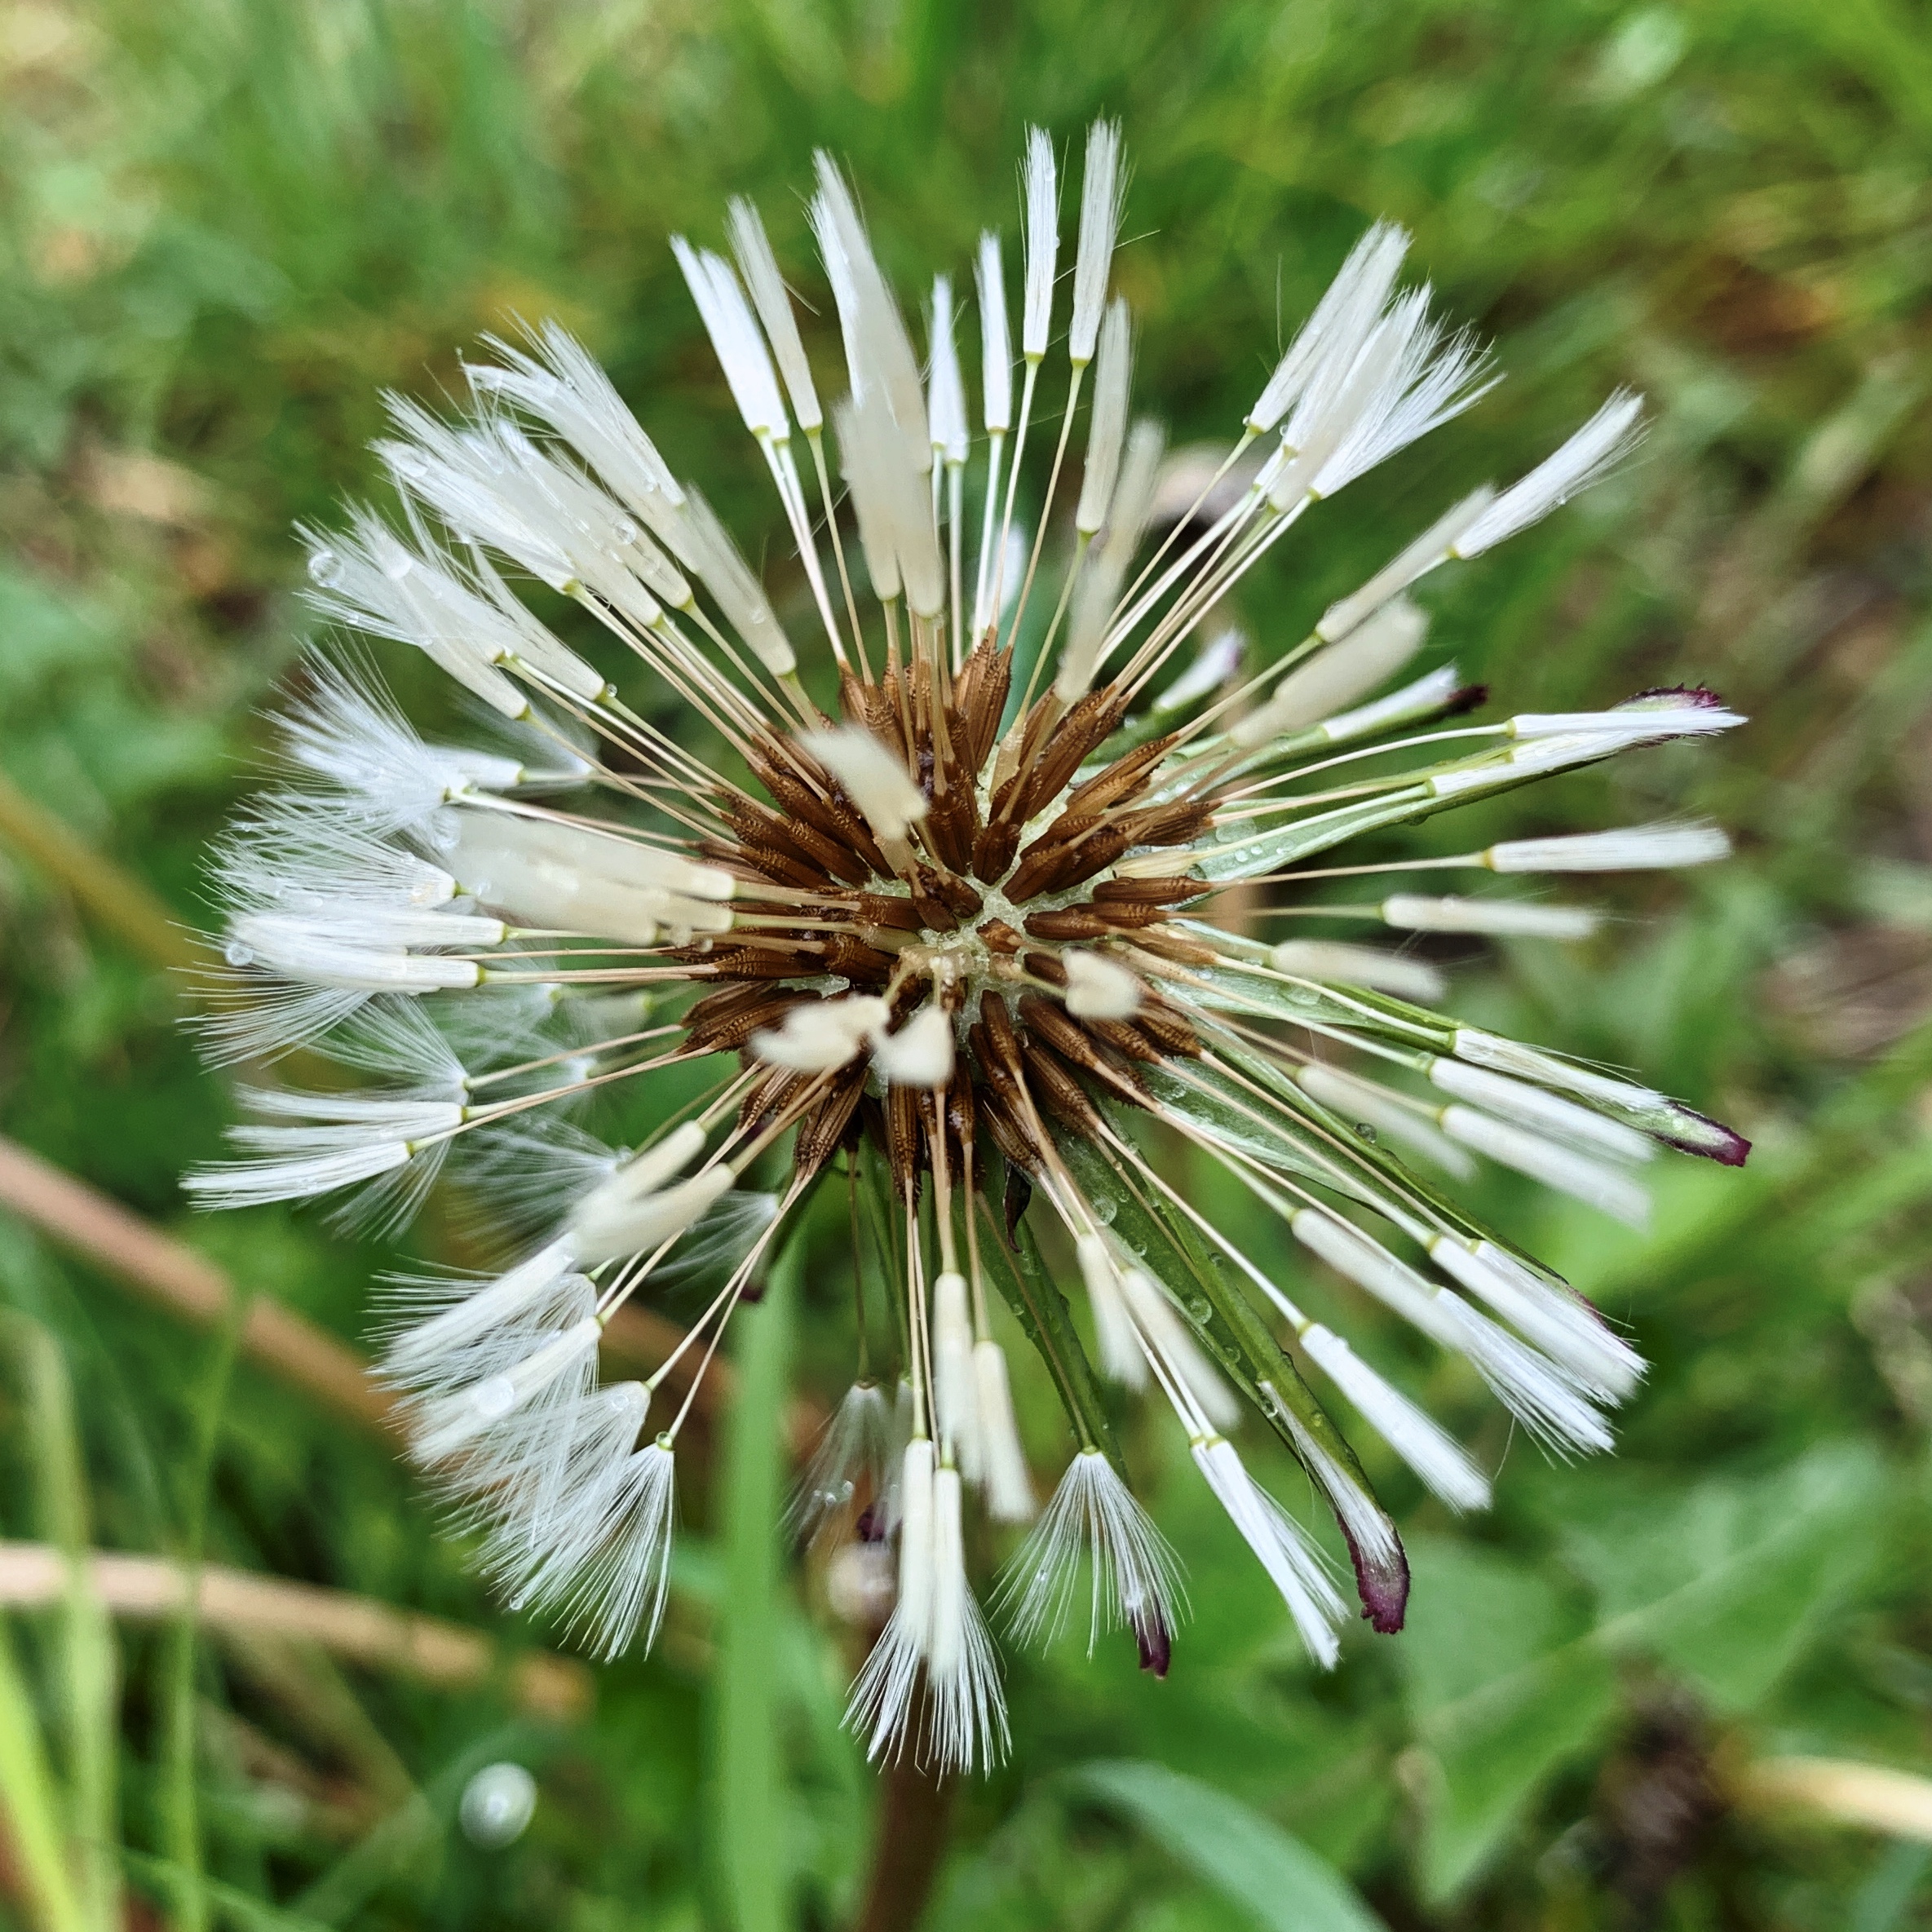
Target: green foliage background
(228, 224)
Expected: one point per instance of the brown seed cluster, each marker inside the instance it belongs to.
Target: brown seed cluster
(839, 908)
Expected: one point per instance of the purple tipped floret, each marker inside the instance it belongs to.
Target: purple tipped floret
(1155, 1643)
(1711, 1138)
(1382, 1585)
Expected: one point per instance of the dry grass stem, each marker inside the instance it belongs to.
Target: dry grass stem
(34, 1575)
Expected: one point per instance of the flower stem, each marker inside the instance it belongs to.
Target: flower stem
(915, 1809)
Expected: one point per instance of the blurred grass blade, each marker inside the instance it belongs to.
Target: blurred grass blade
(89, 1662)
(180, 1794)
(32, 1804)
(244, 1606)
(231, 1907)
(109, 1237)
(748, 1823)
(115, 898)
(406, 1846)
(1281, 1884)
(313, 1694)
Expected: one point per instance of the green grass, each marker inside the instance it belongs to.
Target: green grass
(229, 224)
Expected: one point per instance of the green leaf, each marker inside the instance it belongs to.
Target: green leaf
(1501, 1696)
(748, 1823)
(1399, 1177)
(1251, 985)
(1245, 1857)
(1235, 1336)
(1214, 1103)
(1881, 1903)
(1726, 1583)
(1242, 855)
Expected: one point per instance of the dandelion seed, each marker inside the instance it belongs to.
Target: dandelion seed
(995, 376)
(850, 1460)
(1095, 1525)
(1334, 959)
(1556, 1166)
(1370, 655)
(1520, 919)
(1292, 1565)
(1008, 1488)
(1107, 433)
(1638, 848)
(955, 1381)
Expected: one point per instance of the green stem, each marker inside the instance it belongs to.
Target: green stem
(180, 1808)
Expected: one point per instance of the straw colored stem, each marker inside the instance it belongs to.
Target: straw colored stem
(1841, 1791)
(358, 1629)
(168, 1271)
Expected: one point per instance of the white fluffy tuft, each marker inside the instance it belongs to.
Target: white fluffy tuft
(1093, 1524)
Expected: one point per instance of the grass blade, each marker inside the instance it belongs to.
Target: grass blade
(89, 1661)
(32, 1803)
(748, 1793)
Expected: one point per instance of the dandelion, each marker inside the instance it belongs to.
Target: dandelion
(938, 906)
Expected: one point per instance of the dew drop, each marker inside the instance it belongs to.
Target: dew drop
(397, 565)
(237, 954)
(406, 463)
(1104, 1211)
(325, 568)
(624, 530)
(493, 1399)
(497, 1806)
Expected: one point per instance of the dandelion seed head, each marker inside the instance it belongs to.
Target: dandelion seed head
(933, 874)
